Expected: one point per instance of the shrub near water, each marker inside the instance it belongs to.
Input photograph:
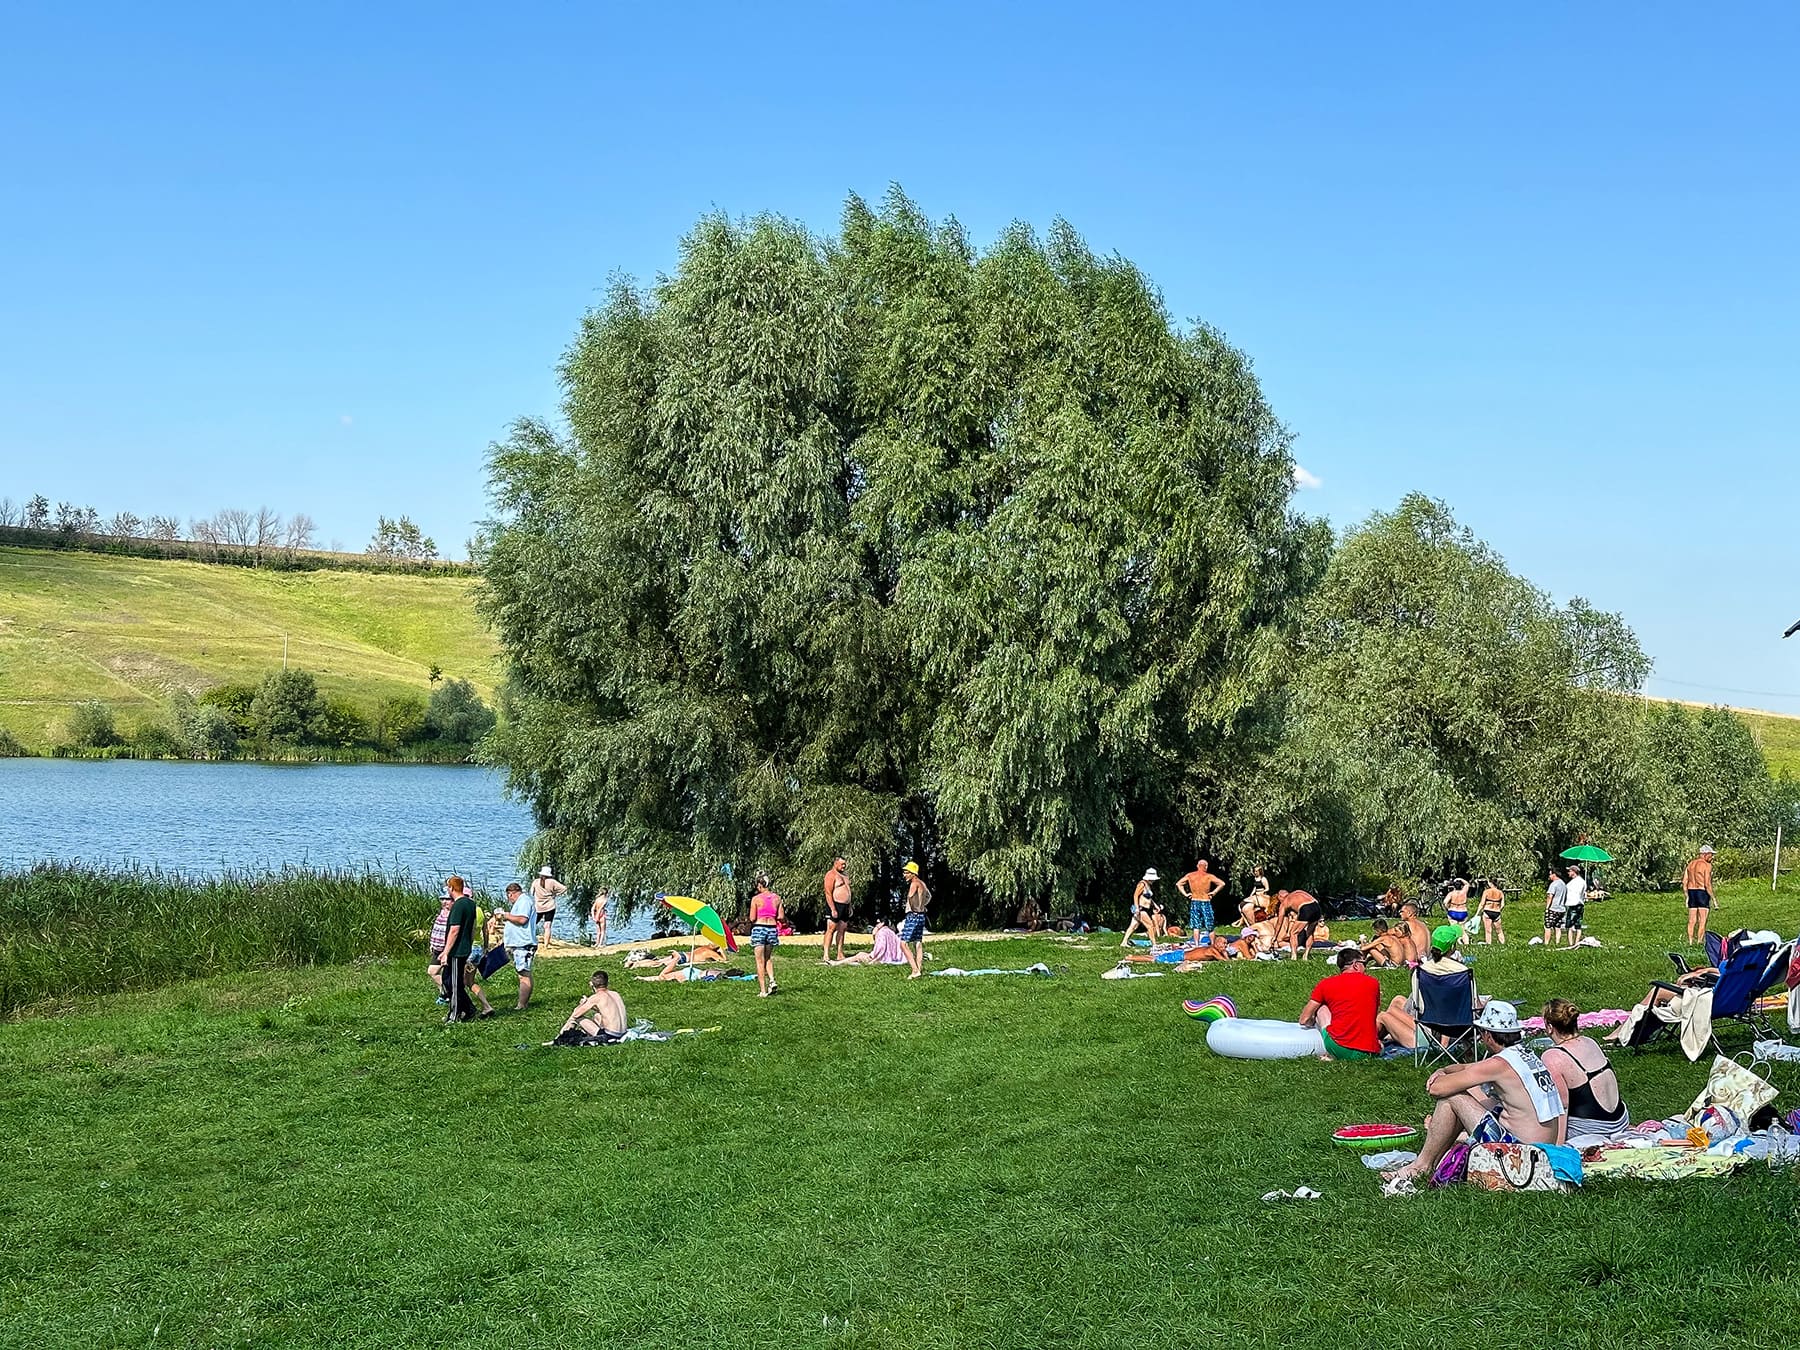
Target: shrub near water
(67, 931)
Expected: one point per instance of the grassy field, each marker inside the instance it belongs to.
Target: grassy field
(307, 1158)
(127, 631)
(1779, 738)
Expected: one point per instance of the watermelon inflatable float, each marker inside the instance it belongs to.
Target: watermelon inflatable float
(1211, 1010)
(1373, 1136)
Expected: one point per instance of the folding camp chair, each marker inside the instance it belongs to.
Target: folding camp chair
(1446, 1017)
(1715, 953)
(1741, 988)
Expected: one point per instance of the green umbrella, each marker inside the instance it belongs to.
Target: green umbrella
(1586, 853)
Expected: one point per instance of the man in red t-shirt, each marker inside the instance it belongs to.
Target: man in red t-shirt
(1343, 1007)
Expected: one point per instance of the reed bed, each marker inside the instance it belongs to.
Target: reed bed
(72, 930)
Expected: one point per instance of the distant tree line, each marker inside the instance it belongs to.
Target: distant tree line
(235, 535)
(282, 713)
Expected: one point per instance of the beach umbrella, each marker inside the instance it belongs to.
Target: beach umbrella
(704, 917)
(1586, 853)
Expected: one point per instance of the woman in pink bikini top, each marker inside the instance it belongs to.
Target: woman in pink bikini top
(766, 918)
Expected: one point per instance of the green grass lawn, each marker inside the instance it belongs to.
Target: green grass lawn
(127, 631)
(306, 1157)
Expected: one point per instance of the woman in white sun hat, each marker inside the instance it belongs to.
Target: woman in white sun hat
(546, 890)
(1144, 909)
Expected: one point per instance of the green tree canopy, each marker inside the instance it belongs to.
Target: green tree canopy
(456, 713)
(287, 709)
(1450, 718)
(884, 546)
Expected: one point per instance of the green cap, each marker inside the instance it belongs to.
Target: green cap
(1445, 937)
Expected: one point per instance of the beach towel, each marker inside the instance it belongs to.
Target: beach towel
(1124, 972)
(1038, 969)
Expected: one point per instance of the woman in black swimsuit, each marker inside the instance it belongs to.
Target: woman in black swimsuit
(1579, 1066)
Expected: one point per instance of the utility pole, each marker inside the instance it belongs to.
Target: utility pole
(284, 651)
(1775, 874)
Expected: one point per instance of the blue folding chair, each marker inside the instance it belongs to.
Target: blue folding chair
(1446, 1017)
(1738, 991)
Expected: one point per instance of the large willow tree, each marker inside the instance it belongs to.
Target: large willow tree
(882, 546)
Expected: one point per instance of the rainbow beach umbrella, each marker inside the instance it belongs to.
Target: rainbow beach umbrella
(704, 917)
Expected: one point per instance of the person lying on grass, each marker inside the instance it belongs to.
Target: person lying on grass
(601, 1014)
(1509, 1098)
(1220, 948)
(1399, 1023)
(1343, 1006)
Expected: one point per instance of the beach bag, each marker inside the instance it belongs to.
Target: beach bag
(1733, 1087)
(1513, 1167)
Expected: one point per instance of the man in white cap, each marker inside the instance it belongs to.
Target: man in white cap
(1509, 1098)
(1697, 881)
(545, 891)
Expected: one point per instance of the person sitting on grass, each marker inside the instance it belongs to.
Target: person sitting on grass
(1414, 932)
(1400, 1022)
(1387, 947)
(1508, 1098)
(601, 1015)
(886, 951)
(1343, 1006)
(1580, 1068)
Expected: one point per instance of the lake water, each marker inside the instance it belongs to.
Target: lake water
(426, 820)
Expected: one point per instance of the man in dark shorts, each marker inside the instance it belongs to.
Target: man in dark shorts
(1308, 913)
(1343, 1007)
(459, 940)
(1697, 881)
(837, 910)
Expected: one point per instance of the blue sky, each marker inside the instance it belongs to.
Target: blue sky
(1539, 261)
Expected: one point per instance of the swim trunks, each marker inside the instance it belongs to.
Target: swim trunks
(912, 928)
(1699, 899)
(1337, 1051)
(764, 935)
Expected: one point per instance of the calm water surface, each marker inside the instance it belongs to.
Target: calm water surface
(427, 820)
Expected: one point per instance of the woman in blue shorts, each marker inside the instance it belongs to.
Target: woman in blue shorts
(766, 918)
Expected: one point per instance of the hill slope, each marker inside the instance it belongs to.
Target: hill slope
(128, 631)
(1779, 737)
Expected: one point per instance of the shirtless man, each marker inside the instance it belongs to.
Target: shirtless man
(1414, 931)
(1387, 947)
(1199, 887)
(1507, 1098)
(1304, 913)
(1219, 948)
(601, 1013)
(837, 910)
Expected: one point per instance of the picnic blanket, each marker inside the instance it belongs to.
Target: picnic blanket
(1037, 969)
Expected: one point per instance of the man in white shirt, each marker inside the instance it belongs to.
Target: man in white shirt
(521, 938)
(1576, 904)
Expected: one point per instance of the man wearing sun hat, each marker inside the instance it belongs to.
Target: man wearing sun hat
(1509, 1097)
(1697, 881)
(912, 928)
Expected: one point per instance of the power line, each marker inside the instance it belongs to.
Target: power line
(1721, 688)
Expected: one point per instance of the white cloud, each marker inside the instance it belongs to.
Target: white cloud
(1304, 479)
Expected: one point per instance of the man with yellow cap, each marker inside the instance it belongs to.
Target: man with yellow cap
(912, 928)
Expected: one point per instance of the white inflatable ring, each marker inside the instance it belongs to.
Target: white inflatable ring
(1256, 1038)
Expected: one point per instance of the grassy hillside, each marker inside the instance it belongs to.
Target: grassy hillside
(305, 1157)
(127, 631)
(1779, 737)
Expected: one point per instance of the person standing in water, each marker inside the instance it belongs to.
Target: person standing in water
(546, 890)
(912, 928)
(837, 910)
(602, 899)
(766, 917)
